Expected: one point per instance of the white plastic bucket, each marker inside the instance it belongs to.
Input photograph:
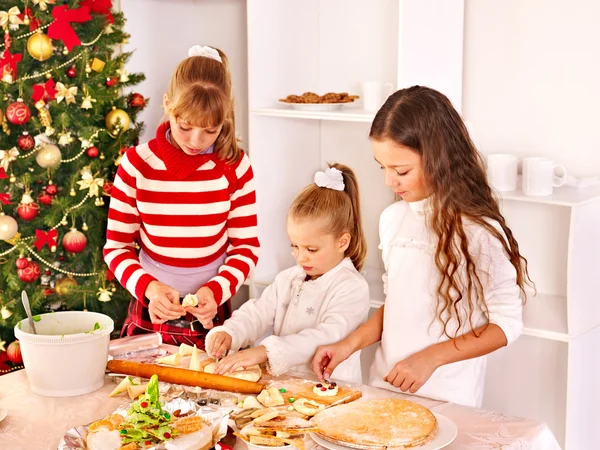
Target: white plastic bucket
(68, 355)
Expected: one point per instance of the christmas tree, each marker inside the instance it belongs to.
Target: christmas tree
(65, 122)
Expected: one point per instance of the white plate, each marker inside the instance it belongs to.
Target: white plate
(3, 412)
(315, 106)
(447, 432)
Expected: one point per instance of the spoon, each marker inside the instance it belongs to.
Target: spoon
(25, 301)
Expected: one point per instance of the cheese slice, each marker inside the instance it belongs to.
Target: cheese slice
(185, 350)
(270, 397)
(122, 386)
(195, 360)
(189, 300)
(135, 390)
(171, 360)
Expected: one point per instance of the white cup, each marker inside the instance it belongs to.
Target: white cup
(373, 94)
(502, 171)
(539, 176)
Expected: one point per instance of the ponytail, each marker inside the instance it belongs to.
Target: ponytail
(339, 209)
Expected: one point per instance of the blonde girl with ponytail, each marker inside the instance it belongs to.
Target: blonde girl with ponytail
(320, 300)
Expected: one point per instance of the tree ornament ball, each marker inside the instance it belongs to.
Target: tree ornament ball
(71, 72)
(30, 273)
(49, 156)
(51, 189)
(136, 100)
(13, 351)
(92, 152)
(64, 286)
(40, 46)
(45, 199)
(117, 121)
(18, 113)
(74, 241)
(28, 211)
(26, 141)
(22, 262)
(8, 227)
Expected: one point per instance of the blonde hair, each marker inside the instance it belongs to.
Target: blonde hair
(200, 94)
(340, 209)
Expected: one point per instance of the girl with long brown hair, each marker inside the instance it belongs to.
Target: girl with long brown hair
(187, 198)
(320, 300)
(455, 280)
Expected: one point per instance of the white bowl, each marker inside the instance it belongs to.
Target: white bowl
(68, 355)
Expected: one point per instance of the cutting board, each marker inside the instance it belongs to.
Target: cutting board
(300, 388)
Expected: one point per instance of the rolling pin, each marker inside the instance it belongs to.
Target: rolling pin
(184, 376)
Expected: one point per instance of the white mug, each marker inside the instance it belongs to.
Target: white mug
(373, 96)
(539, 176)
(502, 171)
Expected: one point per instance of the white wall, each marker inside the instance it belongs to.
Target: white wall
(161, 33)
(531, 79)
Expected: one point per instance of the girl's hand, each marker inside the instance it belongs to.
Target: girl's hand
(243, 359)
(218, 344)
(410, 374)
(206, 309)
(328, 357)
(163, 302)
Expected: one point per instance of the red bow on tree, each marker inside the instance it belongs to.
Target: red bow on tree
(44, 91)
(3, 173)
(11, 61)
(5, 198)
(44, 238)
(33, 22)
(99, 7)
(61, 27)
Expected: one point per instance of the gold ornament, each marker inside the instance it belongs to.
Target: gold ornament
(99, 202)
(40, 46)
(65, 51)
(104, 295)
(68, 94)
(102, 157)
(11, 17)
(48, 156)
(65, 138)
(117, 121)
(64, 222)
(8, 156)
(8, 227)
(87, 102)
(12, 178)
(7, 75)
(5, 313)
(48, 75)
(97, 65)
(45, 117)
(26, 20)
(72, 192)
(84, 227)
(43, 4)
(123, 75)
(65, 286)
(89, 182)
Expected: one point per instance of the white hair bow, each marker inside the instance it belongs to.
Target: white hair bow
(206, 51)
(332, 178)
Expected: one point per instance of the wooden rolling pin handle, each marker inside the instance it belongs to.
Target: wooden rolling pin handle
(184, 376)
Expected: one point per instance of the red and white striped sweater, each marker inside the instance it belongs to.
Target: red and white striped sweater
(184, 211)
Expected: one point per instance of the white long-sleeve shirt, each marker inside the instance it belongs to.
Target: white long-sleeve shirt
(304, 315)
(410, 317)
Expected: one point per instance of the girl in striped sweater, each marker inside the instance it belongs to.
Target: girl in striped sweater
(187, 198)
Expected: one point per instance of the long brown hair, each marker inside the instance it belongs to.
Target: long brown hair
(425, 121)
(200, 93)
(340, 210)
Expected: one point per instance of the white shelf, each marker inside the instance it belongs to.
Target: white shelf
(346, 114)
(545, 316)
(562, 196)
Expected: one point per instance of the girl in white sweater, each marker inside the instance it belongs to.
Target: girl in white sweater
(454, 278)
(321, 300)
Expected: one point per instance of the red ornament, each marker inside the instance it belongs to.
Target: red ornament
(74, 241)
(45, 199)
(13, 351)
(71, 72)
(52, 189)
(26, 141)
(136, 100)
(28, 211)
(92, 152)
(18, 113)
(107, 188)
(112, 81)
(30, 273)
(48, 291)
(22, 262)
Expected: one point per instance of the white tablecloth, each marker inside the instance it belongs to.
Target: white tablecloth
(35, 422)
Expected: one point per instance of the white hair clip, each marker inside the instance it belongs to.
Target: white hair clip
(332, 178)
(206, 51)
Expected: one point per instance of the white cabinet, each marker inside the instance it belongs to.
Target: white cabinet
(551, 374)
(332, 45)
